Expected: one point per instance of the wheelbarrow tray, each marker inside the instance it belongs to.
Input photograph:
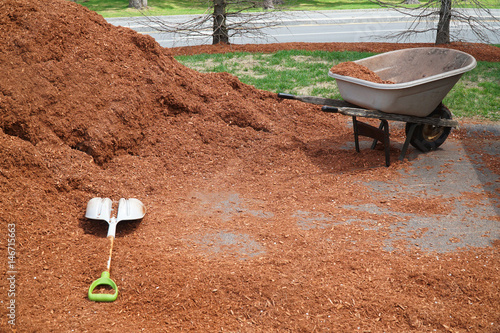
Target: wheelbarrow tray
(423, 77)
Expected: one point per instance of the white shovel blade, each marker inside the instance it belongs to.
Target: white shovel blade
(130, 209)
(99, 209)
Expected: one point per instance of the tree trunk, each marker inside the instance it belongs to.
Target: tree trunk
(220, 34)
(138, 4)
(268, 4)
(443, 27)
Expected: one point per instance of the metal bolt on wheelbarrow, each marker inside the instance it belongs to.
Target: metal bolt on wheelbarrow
(100, 209)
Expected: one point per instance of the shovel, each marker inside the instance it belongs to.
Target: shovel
(100, 209)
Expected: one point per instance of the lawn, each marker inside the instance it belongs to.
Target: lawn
(477, 94)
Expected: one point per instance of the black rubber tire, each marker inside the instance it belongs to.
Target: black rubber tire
(428, 137)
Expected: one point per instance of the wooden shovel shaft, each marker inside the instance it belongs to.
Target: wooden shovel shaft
(111, 239)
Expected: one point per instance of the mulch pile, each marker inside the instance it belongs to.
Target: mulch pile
(89, 110)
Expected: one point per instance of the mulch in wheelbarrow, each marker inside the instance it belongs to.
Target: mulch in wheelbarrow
(352, 69)
(253, 222)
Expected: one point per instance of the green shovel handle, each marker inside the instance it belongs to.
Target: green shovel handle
(103, 280)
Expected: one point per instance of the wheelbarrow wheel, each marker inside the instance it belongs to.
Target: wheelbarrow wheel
(429, 137)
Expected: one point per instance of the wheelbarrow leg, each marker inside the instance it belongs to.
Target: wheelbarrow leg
(378, 134)
(384, 125)
(387, 143)
(407, 141)
(356, 135)
(409, 135)
(380, 127)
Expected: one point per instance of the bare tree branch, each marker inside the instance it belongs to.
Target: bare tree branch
(427, 18)
(239, 18)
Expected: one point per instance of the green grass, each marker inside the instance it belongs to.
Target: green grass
(117, 8)
(297, 72)
(477, 94)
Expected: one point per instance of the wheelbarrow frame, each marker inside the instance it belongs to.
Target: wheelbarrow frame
(382, 132)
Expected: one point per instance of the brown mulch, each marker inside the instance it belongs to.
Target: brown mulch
(88, 109)
(482, 52)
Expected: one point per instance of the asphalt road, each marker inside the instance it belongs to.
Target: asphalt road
(321, 26)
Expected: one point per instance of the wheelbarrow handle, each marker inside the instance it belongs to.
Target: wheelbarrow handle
(286, 96)
(330, 109)
(104, 280)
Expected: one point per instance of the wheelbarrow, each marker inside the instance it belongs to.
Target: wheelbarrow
(422, 78)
